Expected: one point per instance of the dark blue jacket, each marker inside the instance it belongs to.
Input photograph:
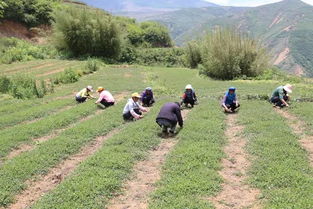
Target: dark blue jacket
(171, 111)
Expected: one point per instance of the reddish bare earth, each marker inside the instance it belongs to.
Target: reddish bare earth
(236, 193)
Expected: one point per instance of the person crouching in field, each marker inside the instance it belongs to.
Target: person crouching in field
(280, 96)
(105, 98)
(169, 116)
(133, 110)
(147, 98)
(84, 94)
(189, 97)
(230, 102)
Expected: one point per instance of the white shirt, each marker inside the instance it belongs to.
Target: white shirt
(131, 106)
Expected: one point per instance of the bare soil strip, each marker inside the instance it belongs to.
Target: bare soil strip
(236, 193)
(29, 147)
(145, 174)
(55, 176)
(298, 128)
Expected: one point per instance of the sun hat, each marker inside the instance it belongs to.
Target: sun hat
(136, 95)
(100, 89)
(232, 89)
(149, 89)
(189, 86)
(90, 88)
(288, 88)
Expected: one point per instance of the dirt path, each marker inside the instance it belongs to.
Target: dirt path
(235, 191)
(298, 128)
(28, 147)
(145, 174)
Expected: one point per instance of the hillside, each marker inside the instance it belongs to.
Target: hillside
(142, 5)
(285, 27)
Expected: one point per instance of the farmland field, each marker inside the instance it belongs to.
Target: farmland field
(55, 153)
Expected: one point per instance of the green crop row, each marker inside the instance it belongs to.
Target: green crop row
(191, 171)
(280, 168)
(304, 111)
(26, 166)
(14, 136)
(100, 177)
(33, 112)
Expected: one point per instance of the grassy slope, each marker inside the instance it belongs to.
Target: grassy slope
(280, 168)
(191, 170)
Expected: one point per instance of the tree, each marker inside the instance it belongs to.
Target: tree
(3, 5)
(156, 34)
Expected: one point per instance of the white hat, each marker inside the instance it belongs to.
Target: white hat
(189, 86)
(90, 88)
(288, 88)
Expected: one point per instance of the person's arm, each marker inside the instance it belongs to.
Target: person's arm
(100, 99)
(142, 108)
(281, 97)
(236, 101)
(179, 117)
(135, 115)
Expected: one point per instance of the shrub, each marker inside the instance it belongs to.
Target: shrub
(160, 56)
(192, 55)
(156, 34)
(68, 76)
(31, 13)
(3, 5)
(4, 84)
(227, 54)
(91, 66)
(13, 50)
(87, 32)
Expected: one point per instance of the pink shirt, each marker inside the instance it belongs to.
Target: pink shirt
(107, 96)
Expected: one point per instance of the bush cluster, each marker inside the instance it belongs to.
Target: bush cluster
(87, 32)
(227, 54)
(30, 12)
(13, 50)
(24, 87)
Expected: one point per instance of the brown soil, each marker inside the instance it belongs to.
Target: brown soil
(14, 29)
(145, 174)
(299, 70)
(282, 56)
(236, 193)
(299, 128)
(55, 176)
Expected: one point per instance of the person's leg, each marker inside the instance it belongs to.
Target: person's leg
(233, 107)
(107, 104)
(276, 101)
(128, 116)
(173, 127)
(81, 99)
(192, 103)
(164, 124)
(152, 101)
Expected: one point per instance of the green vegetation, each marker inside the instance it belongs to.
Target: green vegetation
(191, 170)
(227, 54)
(16, 50)
(281, 168)
(118, 156)
(82, 31)
(32, 13)
(27, 165)
(24, 87)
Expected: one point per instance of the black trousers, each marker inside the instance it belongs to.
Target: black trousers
(107, 104)
(187, 101)
(233, 106)
(277, 102)
(129, 116)
(148, 102)
(81, 99)
(165, 124)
